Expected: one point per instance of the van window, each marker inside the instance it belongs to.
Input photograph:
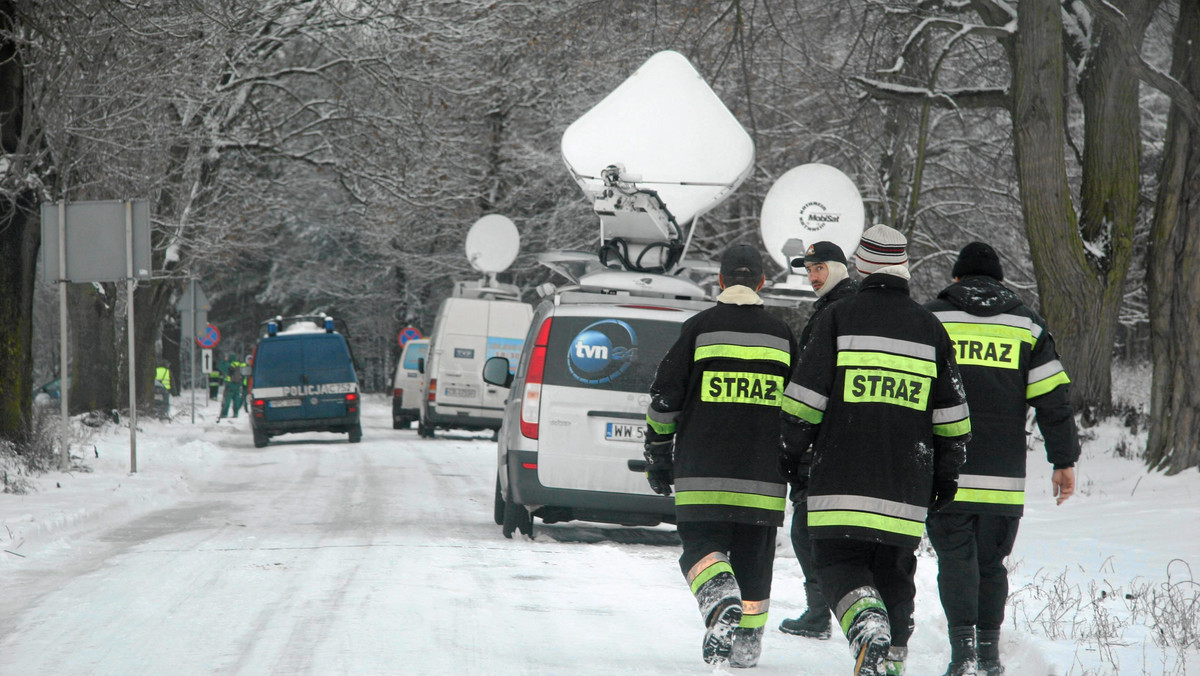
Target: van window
(414, 352)
(607, 353)
(275, 362)
(326, 360)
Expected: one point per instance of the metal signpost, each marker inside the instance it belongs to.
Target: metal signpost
(112, 240)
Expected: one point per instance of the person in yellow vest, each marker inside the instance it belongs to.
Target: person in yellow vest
(162, 388)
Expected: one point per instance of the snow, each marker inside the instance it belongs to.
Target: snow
(321, 557)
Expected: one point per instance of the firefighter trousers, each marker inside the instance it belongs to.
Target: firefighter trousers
(972, 579)
(844, 566)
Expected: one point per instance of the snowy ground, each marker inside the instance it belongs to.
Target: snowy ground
(315, 556)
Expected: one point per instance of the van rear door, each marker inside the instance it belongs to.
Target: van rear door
(328, 376)
(594, 396)
(461, 346)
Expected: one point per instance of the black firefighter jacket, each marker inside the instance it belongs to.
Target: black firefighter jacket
(1008, 362)
(877, 394)
(717, 392)
(844, 289)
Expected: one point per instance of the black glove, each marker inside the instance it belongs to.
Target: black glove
(943, 494)
(660, 467)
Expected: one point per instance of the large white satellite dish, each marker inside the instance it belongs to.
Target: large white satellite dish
(669, 132)
(492, 244)
(811, 203)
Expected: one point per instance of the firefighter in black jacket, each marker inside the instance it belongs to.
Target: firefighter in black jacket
(716, 396)
(877, 394)
(830, 278)
(1008, 363)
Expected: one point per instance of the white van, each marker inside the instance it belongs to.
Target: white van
(576, 412)
(466, 333)
(408, 386)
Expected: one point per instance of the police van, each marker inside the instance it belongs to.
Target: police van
(408, 385)
(303, 380)
(475, 324)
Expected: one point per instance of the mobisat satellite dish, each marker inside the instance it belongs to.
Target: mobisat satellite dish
(811, 203)
(492, 244)
(665, 131)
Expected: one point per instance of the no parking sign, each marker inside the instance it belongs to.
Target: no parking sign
(406, 334)
(210, 339)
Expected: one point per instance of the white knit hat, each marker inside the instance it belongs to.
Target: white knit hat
(880, 247)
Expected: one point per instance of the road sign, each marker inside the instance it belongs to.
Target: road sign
(407, 334)
(210, 339)
(206, 362)
(97, 243)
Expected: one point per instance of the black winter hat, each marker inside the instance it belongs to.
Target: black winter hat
(978, 258)
(824, 252)
(742, 261)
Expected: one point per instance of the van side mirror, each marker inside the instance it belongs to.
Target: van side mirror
(421, 365)
(495, 372)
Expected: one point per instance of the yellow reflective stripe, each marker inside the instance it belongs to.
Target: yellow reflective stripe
(955, 429)
(851, 614)
(991, 331)
(1035, 390)
(660, 427)
(753, 621)
(732, 499)
(709, 573)
(863, 520)
(742, 352)
(989, 497)
(802, 410)
(921, 367)
(740, 387)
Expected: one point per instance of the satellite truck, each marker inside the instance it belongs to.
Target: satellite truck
(652, 157)
(482, 319)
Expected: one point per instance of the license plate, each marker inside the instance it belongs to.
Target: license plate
(284, 403)
(461, 392)
(624, 432)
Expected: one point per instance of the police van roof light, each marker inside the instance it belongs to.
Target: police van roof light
(329, 325)
(272, 328)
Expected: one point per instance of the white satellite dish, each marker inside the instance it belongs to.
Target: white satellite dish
(669, 132)
(811, 203)
(493, 243)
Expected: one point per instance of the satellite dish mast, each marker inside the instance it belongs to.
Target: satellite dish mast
(657, 152)
(492, 245)
(809, 203)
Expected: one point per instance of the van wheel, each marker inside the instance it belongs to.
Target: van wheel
(260, 439)
(516, 518)
(498, 510)
(398, 424)
(356, 434)
(423, 431)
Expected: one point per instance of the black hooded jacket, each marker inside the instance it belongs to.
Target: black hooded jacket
(1008, 362)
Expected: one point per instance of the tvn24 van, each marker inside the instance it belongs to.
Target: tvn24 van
(467, 332)
(303, 381)
(576, 411)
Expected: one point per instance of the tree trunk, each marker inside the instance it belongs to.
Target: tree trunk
(1080, 292)
(20, 237)
(92, 349)
(1174, 274)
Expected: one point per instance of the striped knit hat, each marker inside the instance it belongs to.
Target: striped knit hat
(880, 247)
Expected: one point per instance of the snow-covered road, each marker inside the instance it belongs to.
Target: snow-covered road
(316, 556)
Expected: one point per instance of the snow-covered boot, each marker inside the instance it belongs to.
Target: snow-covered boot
(962, 652)
(746, 648)
(815, 621)
(718, 638)
(720, 602)
(989, 653)
(894, 664)
(870, 640)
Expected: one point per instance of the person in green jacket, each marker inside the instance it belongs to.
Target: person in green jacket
(235, 387)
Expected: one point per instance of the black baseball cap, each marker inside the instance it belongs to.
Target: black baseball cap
(742, 261)
(822, 252)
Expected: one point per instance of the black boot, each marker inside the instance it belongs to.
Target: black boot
(870, 639)
(962, 652)
(746, 648)
(815, 622)
(989, 653)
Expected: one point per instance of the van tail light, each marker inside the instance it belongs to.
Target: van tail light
(433, 389)
(352, 402)
(258, 406)
(531, 399)
(398, 393)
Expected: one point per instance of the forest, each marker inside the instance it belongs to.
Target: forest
(329, 156)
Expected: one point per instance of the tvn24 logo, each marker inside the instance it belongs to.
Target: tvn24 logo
(602, 351)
